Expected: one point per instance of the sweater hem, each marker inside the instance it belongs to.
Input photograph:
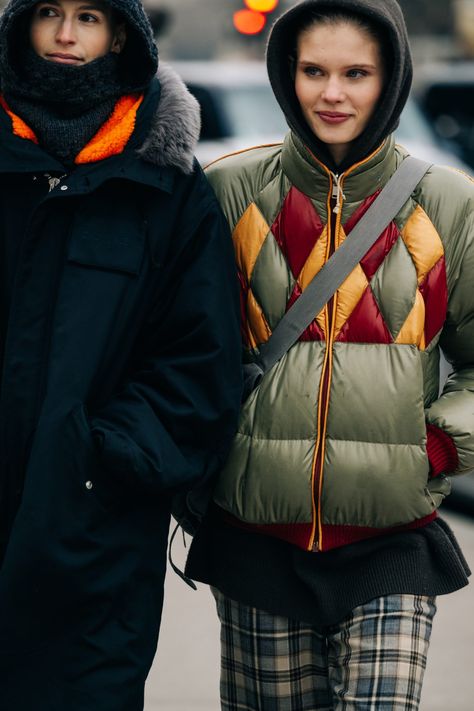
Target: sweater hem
(333, 536)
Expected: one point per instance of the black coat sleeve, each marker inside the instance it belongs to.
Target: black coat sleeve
(173, 421)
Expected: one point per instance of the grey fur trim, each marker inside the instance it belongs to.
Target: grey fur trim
(175, 130)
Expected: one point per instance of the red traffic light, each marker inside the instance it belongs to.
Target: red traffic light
(249, 22)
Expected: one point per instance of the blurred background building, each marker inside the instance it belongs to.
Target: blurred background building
(203, 29)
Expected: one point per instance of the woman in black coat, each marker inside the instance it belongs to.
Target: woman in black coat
(120, 374)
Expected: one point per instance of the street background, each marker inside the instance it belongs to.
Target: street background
(204, 29)
(185, 676)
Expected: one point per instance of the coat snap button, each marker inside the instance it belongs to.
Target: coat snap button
(89, 485)
(63, 187)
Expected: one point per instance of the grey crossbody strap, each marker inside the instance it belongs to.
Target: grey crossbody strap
(322, 287)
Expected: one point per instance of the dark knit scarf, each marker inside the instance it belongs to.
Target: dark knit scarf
(64, 105)
(385, 15)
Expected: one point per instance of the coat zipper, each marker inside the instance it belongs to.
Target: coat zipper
(54, 287)
(53, 182)
(335, 201)
(334, 206)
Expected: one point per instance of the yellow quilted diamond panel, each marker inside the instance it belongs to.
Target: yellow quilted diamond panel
(258, 329)
(315, 260)
(249, 236)
(423, 242)
(413, 330)
(348, 296)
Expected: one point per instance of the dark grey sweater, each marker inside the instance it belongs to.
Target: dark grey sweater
(323, 588)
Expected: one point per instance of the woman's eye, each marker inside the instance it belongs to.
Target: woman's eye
(312, 71)
(356, 73)
(87, 17)
(46, 12)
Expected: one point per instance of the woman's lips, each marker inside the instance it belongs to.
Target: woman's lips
(64, 58)
(332, 117)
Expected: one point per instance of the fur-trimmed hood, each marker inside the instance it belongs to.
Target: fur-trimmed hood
(175, 128)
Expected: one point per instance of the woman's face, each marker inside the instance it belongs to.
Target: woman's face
(338, 82)
(74, 31)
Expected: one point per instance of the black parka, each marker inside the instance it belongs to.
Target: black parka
(120, 383)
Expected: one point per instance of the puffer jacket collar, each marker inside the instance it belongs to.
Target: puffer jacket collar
(314, 179)
(169, 144)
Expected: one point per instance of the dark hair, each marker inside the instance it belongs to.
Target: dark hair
(114, 15)
(340, 16)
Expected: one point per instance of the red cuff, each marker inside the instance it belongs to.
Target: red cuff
(441, 451)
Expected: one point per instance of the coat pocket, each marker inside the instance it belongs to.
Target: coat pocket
(97, 480)
(68, 558)
(111, 240)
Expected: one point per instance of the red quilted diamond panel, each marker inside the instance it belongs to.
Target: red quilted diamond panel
(434, 290)
(365, 324)
(377, 253)
(360, 212)
(313, 332)
(297, 228)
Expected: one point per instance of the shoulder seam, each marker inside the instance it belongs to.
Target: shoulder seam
(243, 150)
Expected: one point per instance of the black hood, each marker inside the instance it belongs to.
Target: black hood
(138, 60)
(384, 14)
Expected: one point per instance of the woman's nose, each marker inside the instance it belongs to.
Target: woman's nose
(66, 32)
(333, 90)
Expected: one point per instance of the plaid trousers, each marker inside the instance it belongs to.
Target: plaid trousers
(372, 661)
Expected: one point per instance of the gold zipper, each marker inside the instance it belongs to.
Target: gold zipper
(326, 374)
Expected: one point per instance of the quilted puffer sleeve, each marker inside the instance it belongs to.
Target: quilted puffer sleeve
(453, 412)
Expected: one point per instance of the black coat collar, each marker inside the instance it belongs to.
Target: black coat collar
(163, 142)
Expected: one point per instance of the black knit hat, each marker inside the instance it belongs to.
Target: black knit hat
(387, 19)
(138, 60)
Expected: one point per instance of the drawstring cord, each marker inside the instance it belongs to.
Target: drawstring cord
(179, 572)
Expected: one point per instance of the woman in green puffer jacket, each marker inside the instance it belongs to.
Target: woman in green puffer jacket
(324, 546)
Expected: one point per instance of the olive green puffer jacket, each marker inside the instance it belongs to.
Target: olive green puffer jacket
(332, 446)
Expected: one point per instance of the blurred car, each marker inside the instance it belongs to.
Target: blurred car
(238, 110)
(445, 93)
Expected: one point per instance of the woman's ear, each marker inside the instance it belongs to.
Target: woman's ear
(119, 39)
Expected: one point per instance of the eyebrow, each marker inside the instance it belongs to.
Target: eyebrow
(309, 63)
(359, 65)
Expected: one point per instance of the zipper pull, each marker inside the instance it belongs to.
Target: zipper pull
(337, 193)
(53, 182)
